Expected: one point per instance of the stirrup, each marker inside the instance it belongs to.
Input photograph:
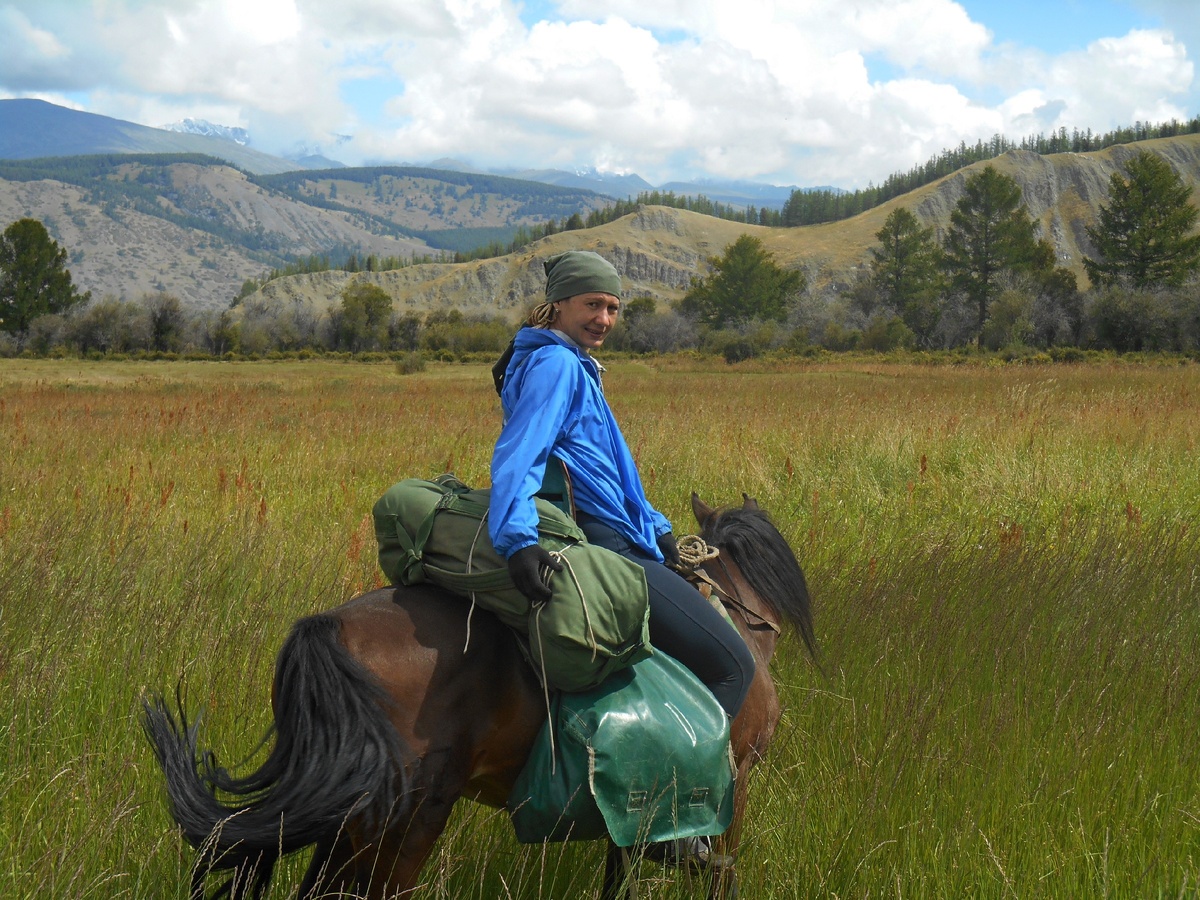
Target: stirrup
(693, 853)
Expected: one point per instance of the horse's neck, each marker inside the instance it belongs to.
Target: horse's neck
(754, 621)
(760, 639)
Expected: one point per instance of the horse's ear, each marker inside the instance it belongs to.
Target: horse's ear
(701, 510)
(749, 502)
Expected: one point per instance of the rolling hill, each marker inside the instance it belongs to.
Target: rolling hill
(194, 229)
(658, 250)
(198, 226)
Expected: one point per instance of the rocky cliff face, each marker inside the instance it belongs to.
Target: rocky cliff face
(1063, 192)
(124, 253)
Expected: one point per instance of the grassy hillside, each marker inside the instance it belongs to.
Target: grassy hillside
(659, 249)
(1062, 191)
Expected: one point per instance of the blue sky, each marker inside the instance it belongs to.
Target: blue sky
(1055, 26)
(807, 92)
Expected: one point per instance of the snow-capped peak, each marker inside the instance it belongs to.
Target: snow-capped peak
(204, 127)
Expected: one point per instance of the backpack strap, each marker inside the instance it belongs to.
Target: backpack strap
(556, 486)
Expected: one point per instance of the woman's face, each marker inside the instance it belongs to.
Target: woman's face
(587, 318)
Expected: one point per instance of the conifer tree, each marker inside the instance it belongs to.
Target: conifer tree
(991, 233)
(34, 279)
(745, 284)
(1144, 235)
(905, 271)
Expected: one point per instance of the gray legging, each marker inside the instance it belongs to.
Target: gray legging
(685, 625)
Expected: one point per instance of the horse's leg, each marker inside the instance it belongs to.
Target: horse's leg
(389, 865)
(723, 849)
(751, 735)
(331, 870)
(466, 710)
(723, 856)
(620, 879)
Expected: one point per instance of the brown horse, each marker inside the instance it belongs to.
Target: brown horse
(383, 721)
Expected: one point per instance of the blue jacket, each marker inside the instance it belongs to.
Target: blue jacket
(554, 404)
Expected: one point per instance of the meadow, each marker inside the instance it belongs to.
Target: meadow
(1004, 561)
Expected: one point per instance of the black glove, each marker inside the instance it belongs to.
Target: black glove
(669, 549)
(525, 568)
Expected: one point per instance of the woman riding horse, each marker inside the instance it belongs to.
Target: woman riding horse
(556, 415)
(380, 723)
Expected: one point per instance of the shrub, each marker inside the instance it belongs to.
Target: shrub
(410, 363)
(883, 335)
(839, 337)
(738, 350)
(1067, 354)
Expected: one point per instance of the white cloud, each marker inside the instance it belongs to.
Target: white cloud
(19, 33)
(736, 89)
(826, 91)
(1141, 76)
(32, 54)
(371, 20)
(263, 21)
(696, 17)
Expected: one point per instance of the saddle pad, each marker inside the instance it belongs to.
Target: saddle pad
(644, 757)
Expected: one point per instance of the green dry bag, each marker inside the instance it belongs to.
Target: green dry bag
(645, 757)
(597, 620)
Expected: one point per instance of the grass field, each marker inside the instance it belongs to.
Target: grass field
(1005, 563)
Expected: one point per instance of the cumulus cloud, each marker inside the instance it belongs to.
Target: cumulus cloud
(1144, 74)
(35, 57)
(365, 20)
(828, 91)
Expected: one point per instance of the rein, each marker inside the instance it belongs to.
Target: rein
(694, 551)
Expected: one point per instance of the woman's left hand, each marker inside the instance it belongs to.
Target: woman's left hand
(527, 568)
(669, 549)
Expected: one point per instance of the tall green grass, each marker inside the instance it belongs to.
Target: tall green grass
(1004, 563)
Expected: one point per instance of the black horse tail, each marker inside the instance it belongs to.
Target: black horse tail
(336, 757)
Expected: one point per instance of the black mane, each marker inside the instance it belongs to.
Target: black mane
(753, 542)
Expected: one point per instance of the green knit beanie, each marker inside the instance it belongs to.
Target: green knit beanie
(580, 272)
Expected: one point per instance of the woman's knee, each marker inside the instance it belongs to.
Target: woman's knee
(743, 670)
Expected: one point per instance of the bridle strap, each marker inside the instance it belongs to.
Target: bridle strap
(732, 599)
(694, 552)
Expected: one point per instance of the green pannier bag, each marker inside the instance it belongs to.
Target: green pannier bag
(645, 757)
(596, 622)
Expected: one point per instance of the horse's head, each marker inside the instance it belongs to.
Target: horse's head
(703, 512)
(755, 555)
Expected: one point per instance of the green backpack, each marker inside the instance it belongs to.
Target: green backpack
(597, 621)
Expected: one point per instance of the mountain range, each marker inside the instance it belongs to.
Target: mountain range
(34, 128)
(139, 217)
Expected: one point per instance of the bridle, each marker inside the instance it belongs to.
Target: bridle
(729, 598)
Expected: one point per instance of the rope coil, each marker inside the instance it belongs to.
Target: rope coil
(694, 551)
